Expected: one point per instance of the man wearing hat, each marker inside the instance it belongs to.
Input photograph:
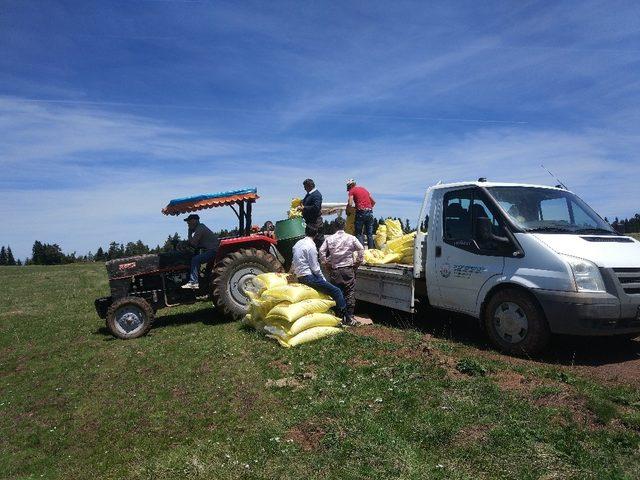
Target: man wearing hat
(203, 239)
(363, 202)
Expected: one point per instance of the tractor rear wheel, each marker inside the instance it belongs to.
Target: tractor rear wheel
(231, 277)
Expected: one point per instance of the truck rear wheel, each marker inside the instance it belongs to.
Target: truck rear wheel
(515, 323)
(231, 278)
(129, 317)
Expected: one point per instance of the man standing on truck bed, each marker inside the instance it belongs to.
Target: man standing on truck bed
(310, 208)
(363, 202)
(202, 238)
(307, 268)
(337, 252)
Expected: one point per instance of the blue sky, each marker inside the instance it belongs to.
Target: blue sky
(110, 108)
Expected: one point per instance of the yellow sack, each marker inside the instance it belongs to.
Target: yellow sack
(407, 259)
(350, 224)
(373, 256)
(291, 312)
(380, 237)
(391, 258)
(394, 229)
(252, 322)
(285, 332)
(293, 211)
(400, 243)
(260, 308)
(306, 336)
(268, 280)
(294, 293)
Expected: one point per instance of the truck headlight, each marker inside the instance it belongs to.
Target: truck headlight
(586, 274)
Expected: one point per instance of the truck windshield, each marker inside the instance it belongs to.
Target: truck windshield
(547, 210)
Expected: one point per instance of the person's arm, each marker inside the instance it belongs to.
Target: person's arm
(359, 252)
(194, 236)
(312, 258)
(324, 251)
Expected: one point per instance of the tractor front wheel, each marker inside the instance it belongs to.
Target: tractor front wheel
(129, 317)
(232, 277)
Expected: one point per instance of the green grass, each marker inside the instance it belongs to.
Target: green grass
(635, 235)
(193, 399)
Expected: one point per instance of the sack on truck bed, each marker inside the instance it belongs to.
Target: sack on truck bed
(394, 229)
(380, 237)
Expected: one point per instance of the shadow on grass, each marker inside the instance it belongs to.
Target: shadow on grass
(207, 316)
(564, 349)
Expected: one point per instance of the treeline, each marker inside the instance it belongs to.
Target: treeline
(627, 225)
(6, 257)
(52, 254)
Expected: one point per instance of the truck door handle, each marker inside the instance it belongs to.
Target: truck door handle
(438, 251)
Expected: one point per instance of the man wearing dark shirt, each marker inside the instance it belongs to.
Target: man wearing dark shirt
(203, 239)
(310, 208)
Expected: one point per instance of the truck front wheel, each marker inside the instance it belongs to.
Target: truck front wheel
(515, 323)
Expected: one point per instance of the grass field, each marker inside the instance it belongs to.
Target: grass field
(203, 398)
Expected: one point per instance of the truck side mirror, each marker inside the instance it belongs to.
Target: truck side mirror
(484, 232)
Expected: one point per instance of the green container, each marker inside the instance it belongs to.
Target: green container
(288, 232)
(291, 228)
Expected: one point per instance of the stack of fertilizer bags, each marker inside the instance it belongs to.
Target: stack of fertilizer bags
(292, 314)
(293, 210)
(392, 245)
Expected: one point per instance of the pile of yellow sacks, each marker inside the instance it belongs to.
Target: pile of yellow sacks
(392, 245)
(291, 314)
(293, 210)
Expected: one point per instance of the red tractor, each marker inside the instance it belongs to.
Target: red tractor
(143, 284)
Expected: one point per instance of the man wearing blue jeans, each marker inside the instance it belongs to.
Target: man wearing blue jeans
(361, 200)
(204, 239)
(307, 268)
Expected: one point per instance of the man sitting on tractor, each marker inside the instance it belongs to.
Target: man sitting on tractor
(203, 239)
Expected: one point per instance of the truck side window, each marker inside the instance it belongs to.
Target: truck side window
(462, 208)
(457, 217)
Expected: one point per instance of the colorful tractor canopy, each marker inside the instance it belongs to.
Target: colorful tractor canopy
(180, 206)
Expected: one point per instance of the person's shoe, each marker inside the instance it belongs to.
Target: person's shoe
(348, 321)
(191, 286)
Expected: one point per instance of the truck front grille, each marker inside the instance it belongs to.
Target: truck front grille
(629, 278)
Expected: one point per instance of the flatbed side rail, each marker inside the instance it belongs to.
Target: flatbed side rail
(387, 285)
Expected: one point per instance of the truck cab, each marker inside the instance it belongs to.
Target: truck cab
(527, 260)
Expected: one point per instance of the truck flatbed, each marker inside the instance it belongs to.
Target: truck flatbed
(390, 285)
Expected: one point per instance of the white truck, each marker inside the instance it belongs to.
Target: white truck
(526, 260)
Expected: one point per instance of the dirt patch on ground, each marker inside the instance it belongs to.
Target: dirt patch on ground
(281, 366)
(307, 435)
(472, 434)
(549, 394)
(383, 334)
(356, 362)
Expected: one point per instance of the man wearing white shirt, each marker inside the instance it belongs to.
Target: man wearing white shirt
(337, 253)
(307, 268)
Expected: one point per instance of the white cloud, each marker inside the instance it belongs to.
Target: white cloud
(86, 195)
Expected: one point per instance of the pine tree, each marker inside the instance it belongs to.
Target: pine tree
(10, 260)
(99, 256)
(3, 256)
